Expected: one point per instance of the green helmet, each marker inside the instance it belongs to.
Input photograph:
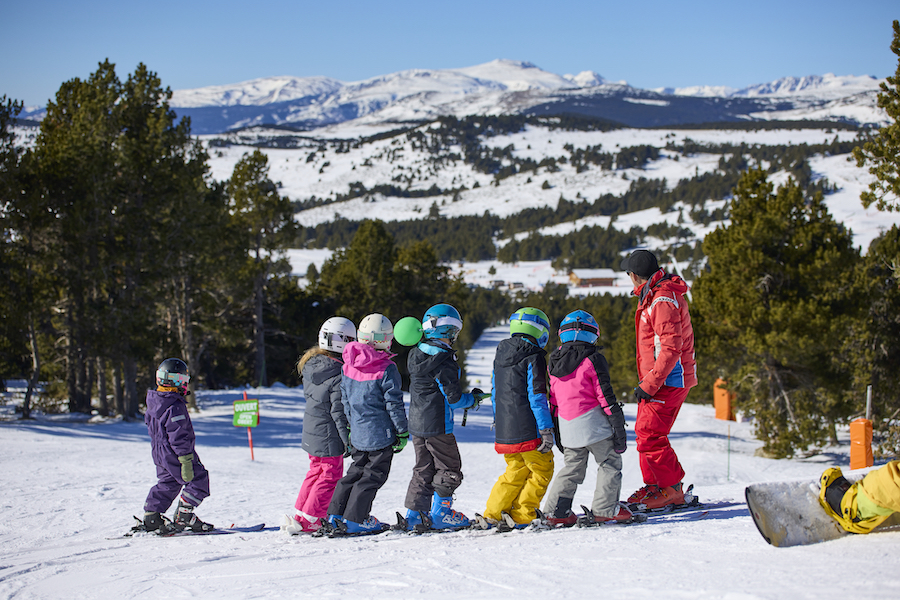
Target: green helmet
(533, 322)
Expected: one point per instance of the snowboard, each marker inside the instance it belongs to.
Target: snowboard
(788, 513)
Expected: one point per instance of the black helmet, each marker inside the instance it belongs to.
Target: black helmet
(172, 372)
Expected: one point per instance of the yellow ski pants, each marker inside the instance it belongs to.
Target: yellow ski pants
(520, 489)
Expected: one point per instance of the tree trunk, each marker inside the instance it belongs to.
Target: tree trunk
(35, 370)
(119, 389)
(103, 401)
(131, 399)
(260, 332)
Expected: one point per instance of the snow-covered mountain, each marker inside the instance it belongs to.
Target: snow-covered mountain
(517, 87)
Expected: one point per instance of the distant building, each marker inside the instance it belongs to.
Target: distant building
(592, 277)
(497, 283)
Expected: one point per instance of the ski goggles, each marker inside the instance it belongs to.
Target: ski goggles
(179, 379)
(580, 326)
(373, 336)
(435, 322)
(537, 319)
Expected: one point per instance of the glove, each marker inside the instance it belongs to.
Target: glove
(546, 441)
(620, 442)
(479, 397)
(400, 444)
(187, 467)
(641, 396)
(348, 450)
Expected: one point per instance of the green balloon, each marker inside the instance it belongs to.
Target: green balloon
(408, 331)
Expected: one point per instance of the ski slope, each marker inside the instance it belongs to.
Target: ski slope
(70, 484)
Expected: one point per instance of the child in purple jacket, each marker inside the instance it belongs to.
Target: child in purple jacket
(178, 467)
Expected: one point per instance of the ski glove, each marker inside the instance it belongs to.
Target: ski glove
(400, 444)
(641, 396)
(187, 467)
(546, 441)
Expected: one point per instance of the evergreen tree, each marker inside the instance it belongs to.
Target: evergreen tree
(772, 309)
(883, 151)
(873, 347)
(265, 218)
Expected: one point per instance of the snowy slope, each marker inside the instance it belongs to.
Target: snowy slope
(70, 485)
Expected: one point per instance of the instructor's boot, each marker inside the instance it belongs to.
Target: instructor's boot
(664, 496)
(186, 519)
(443, 516)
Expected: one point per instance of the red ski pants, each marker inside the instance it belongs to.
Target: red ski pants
(659, 464)
(318, 487)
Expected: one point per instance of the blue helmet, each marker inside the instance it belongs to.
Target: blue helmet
(579, 326)
(441, 321)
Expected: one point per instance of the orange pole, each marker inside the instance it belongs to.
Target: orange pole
(250, 437)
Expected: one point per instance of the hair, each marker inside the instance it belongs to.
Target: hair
(313, 352)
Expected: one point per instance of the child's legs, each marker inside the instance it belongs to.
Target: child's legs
(163, 493)
(197, 489)
(448, 463)
(566, 482)
(373, 476)
(659, 464)
(418, 494)
(609, 478)
(539, 473)
(318, 486)
(882, 486)
(507, 487)
(345, 485)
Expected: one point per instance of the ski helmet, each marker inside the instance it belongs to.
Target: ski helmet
(335, 333)
(580, 326)
(376, 330)
(442, 321)
(173, 372)
(533, 322)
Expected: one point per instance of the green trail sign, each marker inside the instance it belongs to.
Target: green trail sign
(246, 413)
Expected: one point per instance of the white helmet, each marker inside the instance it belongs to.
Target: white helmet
(376, 330)
(335, 333)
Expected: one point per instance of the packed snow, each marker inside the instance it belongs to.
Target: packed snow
(71, 487)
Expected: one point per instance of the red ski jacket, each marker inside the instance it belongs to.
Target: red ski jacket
(665, 337)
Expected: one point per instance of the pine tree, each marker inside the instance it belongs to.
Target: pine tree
(265, 218)
(873, 346)
(883, 152)
(772, 308)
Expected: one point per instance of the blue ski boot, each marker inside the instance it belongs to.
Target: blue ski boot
(369, 525)
(443, 516)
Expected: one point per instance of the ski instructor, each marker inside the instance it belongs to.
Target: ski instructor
(666, 370)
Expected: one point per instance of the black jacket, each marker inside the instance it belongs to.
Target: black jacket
(434, 389)
(520, 395)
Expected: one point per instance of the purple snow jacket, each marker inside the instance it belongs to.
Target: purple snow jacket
(171, 431)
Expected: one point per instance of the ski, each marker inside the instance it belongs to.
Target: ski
(140, 531)
(338, 529)
(589, 519)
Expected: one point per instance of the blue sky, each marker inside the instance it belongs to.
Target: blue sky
(649, 44)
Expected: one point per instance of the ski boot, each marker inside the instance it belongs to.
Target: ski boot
(642, 493)
(443, 516)
(415, 521)
(660, 498)
(299, 524)
(557, 520)
(623, 515)
(157, 523)
(368, 526)
(185, 519)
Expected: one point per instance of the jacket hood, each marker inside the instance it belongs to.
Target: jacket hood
(514, 350)
(320, 368)
(566, 358)
(662, 281)
(428, 358)
(365, 358)
(159, 402)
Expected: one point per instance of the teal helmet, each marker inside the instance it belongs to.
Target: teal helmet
(441, 321)
(533, 322)
(579, 326)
